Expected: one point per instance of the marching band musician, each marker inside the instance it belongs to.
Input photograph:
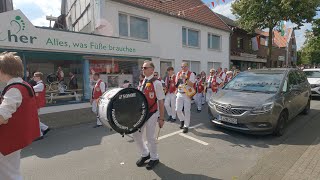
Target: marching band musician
(141, 78)
(40, 90)
(213, 84)
(170, 101)
(98, 90)
(228, 77)
(203, 79)
(183, 101)
(221, 75)
(199, 85)
(209, 83)
(19, 123)
(152, 89)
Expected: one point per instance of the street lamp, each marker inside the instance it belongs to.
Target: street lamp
(51, 18)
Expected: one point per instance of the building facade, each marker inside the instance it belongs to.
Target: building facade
(243, 47)
(284, 48)
(114, 38)
(198, 37)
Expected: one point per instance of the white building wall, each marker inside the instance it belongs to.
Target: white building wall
(166, 32)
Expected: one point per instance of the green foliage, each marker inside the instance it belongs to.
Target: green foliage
(310, 53)
(262, 14)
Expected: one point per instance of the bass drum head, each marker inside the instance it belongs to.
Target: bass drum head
(127, 111)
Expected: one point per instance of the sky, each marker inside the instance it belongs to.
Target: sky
(36, 11)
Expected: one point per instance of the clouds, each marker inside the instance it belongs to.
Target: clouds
(37, 10)
(224, 9)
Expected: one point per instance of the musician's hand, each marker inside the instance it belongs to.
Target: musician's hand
(2, 120)
(161, 122)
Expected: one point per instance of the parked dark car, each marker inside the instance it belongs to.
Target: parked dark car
(261, 101)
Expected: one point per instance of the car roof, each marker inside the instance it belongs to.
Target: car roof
(317, 69)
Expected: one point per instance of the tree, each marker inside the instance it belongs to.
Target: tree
(262, 14)
(310, 53)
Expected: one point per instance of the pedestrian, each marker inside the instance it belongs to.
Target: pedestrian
(152, 89)
(187, 78)
(170, 100)
(199, 88)
(19, 123)
(60, 74)
(73, 83)
(98, 90)
(40, 90)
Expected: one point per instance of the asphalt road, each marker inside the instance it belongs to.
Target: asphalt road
(206, 152)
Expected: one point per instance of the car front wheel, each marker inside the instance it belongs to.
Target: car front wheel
(281, 124)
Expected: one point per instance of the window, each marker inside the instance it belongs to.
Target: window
(164, 64)
(190, 37)
(240, 43)
(213, 41)
(134, 27)
(210, 66)
(194, 66)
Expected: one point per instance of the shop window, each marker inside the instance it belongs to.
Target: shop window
(190, 37)
(214, 41)
(59, 88)
(114, 71)
(134, 27)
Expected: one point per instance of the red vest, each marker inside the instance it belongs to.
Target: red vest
(23, 127)
(150, 94)
(171, 84)
(214, 84)
(199, 87)
(97, 91)
(41, 97)
(180, 73)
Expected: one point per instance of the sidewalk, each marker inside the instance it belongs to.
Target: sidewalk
(297, 158)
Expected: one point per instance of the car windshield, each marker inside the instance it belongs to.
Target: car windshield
(256, 82)
(312, 74)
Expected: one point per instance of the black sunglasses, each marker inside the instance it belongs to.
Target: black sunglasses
(145, 68)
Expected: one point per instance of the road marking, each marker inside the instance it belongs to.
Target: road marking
(194, 139)
(177, 132)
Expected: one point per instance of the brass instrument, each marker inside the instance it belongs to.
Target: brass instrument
(189, 91)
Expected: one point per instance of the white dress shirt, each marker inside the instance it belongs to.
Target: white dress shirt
(11, 100)
(39, 87)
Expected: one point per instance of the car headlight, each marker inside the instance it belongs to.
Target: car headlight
(262, 109)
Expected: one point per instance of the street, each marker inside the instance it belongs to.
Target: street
(206, 152)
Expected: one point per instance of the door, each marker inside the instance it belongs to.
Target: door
(304, 92)
(291, 98)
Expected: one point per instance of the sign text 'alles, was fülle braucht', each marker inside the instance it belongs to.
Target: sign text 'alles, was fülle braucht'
(91, 45)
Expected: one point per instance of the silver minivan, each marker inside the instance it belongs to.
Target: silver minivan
(261, 101)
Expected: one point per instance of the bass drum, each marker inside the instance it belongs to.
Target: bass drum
(123, 110)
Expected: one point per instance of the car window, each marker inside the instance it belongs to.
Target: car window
(293, 79)
(302, 77)
(256, 82)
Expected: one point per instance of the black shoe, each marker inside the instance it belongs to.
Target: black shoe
(46, 131)
(185, 130)
(39, 138)
(96, 126)
(152, 164)
(182, 124)
(169, 118)
(142, 160)
(173, 120)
